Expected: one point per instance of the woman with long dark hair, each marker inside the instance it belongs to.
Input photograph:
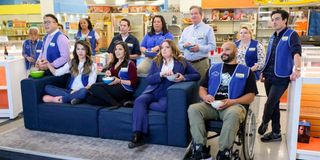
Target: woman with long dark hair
(83, 74)
(150, 44)
(121, 89)
(86, 32)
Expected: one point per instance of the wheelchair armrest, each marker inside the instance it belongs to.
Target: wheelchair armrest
(180, 96)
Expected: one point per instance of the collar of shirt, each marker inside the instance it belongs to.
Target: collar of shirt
(34, 42)
(167, 66)
(195, 26)
(124, 37)
(280, 33)
(53, 33)
(157, 34)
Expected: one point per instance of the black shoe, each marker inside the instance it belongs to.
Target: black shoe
(271, 137)
(224, 155)
(200, 151)
(263, 128)
(136, 141)
(75, 101)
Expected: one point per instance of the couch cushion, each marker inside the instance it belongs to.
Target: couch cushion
(142, 84)
(117, 124)
(81, 119)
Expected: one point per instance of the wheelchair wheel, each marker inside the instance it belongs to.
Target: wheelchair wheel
(188, 152)
(249, 136)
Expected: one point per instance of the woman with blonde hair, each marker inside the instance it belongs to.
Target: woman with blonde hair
(167, 68)
(251, 53)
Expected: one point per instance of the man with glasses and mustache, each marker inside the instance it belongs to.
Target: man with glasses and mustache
(56, 45)
(233, 86)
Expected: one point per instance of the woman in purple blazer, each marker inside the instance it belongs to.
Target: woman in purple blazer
(167, 68)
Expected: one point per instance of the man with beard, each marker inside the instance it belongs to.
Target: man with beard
(233, 86)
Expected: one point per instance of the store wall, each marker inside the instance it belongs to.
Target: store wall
(184, 7)
(47, 6)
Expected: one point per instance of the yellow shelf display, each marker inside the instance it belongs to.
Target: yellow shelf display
(20, 9)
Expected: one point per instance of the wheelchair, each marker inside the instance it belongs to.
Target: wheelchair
(245, 139)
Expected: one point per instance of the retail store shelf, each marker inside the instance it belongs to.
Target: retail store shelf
(3, 87)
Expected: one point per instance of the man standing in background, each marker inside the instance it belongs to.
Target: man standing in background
(283, 63)
(125, 36)
(55, 45)
(197, 41)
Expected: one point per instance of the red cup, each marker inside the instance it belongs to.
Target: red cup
(219, 50)
(212, 52)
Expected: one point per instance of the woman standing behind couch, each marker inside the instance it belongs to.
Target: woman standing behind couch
(85, 31)
(83, 75)
(122, 87)
(150, 44)
(167, 68)
(251, 53)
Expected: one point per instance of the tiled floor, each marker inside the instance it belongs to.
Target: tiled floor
(263, 151)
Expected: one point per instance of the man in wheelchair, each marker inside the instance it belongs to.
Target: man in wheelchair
(225, 90)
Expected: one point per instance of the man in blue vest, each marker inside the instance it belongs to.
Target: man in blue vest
(32, 47)
(282, 64)
(226, 90)
(55, 48)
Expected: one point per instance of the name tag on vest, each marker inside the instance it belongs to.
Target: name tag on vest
(89, 37)
(38, 50)
(130, 44)
(285, 38)
(239, 75)
(52, 44)
(252, 49)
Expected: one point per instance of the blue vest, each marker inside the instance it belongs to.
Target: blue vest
(84, 80)
(251, 56)
(125, 76)
(283, 58)
(53, 50)
(237, 83)
(92, 40)
(27, 50)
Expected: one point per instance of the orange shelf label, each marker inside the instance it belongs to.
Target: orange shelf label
(3, 99)
(3, 81)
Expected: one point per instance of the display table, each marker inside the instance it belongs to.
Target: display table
(12, 71)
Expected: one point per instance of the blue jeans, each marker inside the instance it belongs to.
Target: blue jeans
(271, 107)
(140, 110)
(66, 94)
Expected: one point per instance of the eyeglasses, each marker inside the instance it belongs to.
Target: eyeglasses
(48, 22)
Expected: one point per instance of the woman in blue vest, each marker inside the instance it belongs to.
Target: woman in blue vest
(150, 44)
(121, 89)
(250, 52)
(167, 68)
(83, 74)
(85, 31)
(32, 47)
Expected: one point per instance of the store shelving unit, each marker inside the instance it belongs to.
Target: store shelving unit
(303, 103)
(11, 73)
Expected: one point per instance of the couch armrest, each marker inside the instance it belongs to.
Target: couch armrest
(32, 91)
(180, 96)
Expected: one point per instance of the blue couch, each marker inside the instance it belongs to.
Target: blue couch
(170, 128)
